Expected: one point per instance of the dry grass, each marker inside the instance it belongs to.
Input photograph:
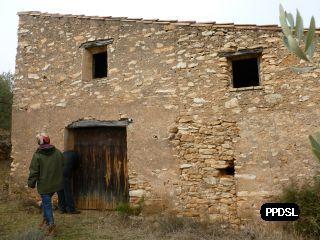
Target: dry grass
(18, 221)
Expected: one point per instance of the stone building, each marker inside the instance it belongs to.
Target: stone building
(206, 120)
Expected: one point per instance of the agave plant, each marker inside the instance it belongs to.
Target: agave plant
(303, 46)
(315, 144)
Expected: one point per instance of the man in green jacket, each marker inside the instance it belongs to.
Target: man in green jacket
(46, 172)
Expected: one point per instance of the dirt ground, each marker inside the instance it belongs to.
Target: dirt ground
(19, 220)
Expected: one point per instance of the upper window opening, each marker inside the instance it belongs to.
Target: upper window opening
(245, 67)
(95, 59)
(100, 65)
(245, 72)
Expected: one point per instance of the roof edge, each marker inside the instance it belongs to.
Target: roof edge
(272, 27)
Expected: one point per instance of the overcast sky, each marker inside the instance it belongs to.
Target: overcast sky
(237, 11)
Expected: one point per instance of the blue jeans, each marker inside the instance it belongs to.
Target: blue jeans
(47, 208)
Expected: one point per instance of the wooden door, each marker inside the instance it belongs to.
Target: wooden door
(101, 181)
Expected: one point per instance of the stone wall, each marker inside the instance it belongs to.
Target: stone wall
(190, 126)
(205, 152)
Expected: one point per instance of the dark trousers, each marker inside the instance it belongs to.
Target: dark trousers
(65, 196)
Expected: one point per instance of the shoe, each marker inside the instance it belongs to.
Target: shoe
(62, 211)
(43, 224)
(51, 231)
(74, 212)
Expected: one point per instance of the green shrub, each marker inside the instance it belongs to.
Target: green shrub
(6, 81)
(307, 198)
(126, 209)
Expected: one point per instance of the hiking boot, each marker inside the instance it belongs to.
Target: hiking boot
(43, 224)
(51, 231)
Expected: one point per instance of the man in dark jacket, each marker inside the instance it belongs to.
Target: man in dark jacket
(66, 201)
(46, 172)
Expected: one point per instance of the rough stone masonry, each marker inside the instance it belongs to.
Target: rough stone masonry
(197, 146)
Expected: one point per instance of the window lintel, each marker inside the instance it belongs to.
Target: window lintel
(96, 43)
(242, 53)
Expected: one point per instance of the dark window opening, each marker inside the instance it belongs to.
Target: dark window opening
(245, 72)
(228, 170)
(100, 65)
